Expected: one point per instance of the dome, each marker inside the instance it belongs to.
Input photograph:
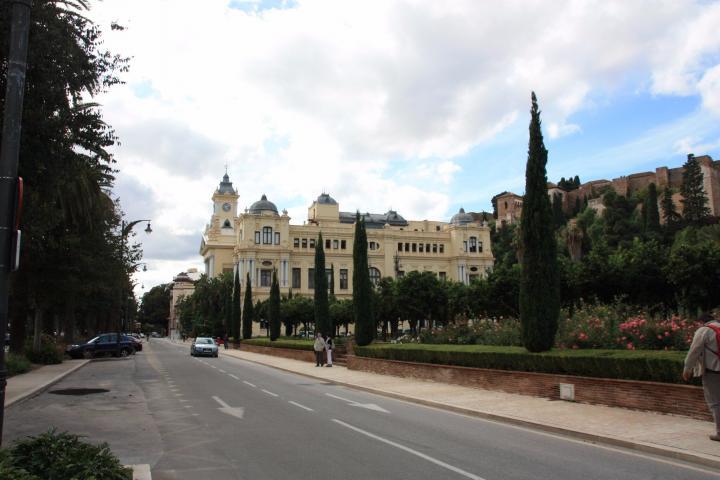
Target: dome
(392, 217)
(226, 186)
(263, 205)
(461, 218)
(182, 277)
(326, 199)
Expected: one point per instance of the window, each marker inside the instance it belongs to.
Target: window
(420, 248)
(442, 275)
(437, 228)
(296, 242)
(265, 277)
(442, 248)
(407, 247)
(414, 247)
(267, 235)
(343, 244)
(343, 279)
(296, 278)
(312, 243)
(277, 238)
(427, 248)
(330, 278)
(400, 247)
(311, 278)
(227, 224)
(304, 243)
(434, 247)
(257, 237)
(336, 244)
(373, 245)
(473, 244)
(327, 243)
(480, 247)
(465, 246)
(374, 275)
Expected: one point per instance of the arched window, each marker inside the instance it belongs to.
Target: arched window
(473, 244)
(267, 235)
(226, 224)
(374, 275)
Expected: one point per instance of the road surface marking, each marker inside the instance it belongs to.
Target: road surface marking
(353, 403)
(270, 393)
(410, 450)
(187, 406)
(301, 406)
(221, 370)
(213, 366)
(248, 383)
(178, 394)
(237, 412)
(233, 376)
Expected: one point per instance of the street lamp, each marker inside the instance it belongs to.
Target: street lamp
(125, 229)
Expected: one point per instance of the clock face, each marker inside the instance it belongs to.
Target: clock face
(226, 207)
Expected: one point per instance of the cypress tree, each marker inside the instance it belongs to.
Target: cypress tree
(235, 315)
(362, 290)
(650, 210)
(322, 312)
(539, 284)
(557, 211)
(274, 308)
(247, 314)
(695, 209)
(670, 215)
(332, 281)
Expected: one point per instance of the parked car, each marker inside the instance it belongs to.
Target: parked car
(105, 344)
(137, 343)
(204, 346)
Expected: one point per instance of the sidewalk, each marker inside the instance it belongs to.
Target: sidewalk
(664, 435)
(35, 381)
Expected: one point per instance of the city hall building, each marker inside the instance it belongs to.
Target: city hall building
(261, 239)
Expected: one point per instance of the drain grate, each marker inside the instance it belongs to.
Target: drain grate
(79, 391)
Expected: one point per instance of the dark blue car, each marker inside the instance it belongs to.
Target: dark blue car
(102, 345)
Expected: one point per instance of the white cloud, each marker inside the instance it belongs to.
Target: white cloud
(337, 96)
(694, 144)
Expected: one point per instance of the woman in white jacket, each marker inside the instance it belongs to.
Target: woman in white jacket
(329, 347)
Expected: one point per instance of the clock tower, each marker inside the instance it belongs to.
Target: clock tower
(218, 240)
(225, 203)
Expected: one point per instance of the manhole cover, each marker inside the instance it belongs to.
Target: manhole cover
(79, 391)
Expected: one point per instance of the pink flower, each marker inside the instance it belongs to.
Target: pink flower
(630, 346)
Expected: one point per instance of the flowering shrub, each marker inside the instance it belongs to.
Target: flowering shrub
(486, 331)
(674, 333)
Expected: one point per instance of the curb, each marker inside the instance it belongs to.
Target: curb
(141, 471)
(668, 452)
(44, 386)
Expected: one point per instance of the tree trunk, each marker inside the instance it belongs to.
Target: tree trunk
(37, 328)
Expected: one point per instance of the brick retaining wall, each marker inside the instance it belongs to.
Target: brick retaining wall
(686, 400)
(303, 355)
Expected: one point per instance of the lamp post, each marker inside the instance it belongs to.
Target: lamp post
(125, 229)
(10, 186)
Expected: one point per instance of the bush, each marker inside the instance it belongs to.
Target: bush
(60, 455)
(659, 366)
(16, 364)
(281, 343)
(50, 352)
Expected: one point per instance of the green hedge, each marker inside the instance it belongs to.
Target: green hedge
(280, 343)
(649, 365)
(16, 364)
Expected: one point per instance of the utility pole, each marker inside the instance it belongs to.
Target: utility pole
(9, 155)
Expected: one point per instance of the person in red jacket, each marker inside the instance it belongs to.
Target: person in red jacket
(703, 360)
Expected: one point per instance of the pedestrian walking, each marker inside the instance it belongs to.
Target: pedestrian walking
(703, 360)
(225, 341)
(329, 347)
(319, 347)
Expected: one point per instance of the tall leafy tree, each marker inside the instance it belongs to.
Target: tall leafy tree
(670, 215)
(274, 308)
(247, 313)
(539, 284)
(155, 306)
(235, 315)
(695, 209)
(362, 289)
(322, 316)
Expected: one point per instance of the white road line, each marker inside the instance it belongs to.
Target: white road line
(270, 393)
(221, 370)
(301, 406)
(213, 366)
(233, 376)
(410, 450)
(248, 383)
(340, 398)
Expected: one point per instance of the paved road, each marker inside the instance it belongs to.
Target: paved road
(224, 418)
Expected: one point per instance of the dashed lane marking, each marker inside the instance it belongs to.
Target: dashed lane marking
(270, 393)
(301, 406)
(248, 383)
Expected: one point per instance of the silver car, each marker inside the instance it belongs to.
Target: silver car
(204, 346)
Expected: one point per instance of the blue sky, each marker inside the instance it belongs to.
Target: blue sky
(418, 105)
